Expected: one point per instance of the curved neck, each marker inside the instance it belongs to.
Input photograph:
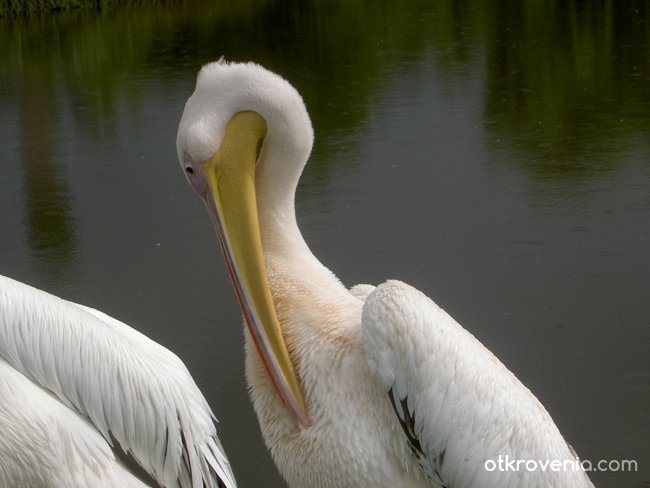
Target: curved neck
(289, 261)
(283, 156)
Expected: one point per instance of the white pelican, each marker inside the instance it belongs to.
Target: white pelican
(74, 382)
(369, 387)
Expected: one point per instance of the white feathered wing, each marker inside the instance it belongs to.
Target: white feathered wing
(128, 387)
(460, 407)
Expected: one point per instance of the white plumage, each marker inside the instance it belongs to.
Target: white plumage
(456, 398)
(74, 380)
(392, 392)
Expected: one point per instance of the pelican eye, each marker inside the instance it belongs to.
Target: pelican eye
(189, 170)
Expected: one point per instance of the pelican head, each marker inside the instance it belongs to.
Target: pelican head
(239, 117)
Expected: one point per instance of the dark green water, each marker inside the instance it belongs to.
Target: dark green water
(494, 154)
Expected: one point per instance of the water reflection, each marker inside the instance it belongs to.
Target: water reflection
(567, 85)
(493, 154)
(50, 224)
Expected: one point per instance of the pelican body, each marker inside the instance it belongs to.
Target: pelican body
(369, 387)
(75, 382)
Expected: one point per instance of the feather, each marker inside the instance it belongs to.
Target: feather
(130, 388)
(457, 403)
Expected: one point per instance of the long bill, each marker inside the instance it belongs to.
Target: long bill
(232, 204)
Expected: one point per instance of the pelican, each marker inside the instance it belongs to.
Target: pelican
(368, 387)
(74, 382)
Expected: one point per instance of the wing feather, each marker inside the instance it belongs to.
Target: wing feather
(44, 443)
(458, 404)
(132, 389)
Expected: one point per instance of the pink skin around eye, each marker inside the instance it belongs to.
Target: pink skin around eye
(194, 175)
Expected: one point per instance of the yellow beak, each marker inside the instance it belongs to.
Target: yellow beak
(230, 177)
